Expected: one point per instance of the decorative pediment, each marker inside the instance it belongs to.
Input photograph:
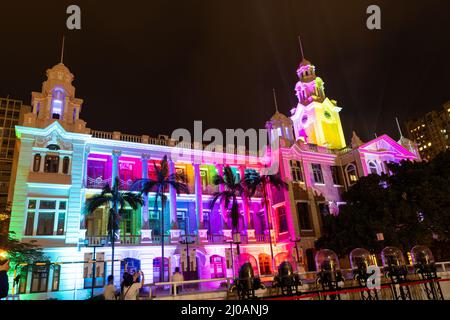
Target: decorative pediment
(52, 140)
(385, 143)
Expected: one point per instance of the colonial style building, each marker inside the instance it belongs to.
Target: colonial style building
(60, 163)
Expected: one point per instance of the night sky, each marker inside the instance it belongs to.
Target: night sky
(149, 67)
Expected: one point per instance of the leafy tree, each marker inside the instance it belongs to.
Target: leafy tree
(160, 184)
(411, 206)
(254, 181)
(233, 189)
(20, 252)
(116, 200)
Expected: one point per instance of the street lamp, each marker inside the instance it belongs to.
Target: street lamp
(94, 244)
(187, 242)
(297, 241)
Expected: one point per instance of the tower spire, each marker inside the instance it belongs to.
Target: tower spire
(275, 99)
(62, 50)
(301, 47)
(399, 128)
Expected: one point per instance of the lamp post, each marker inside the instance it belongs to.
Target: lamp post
(297, 241)
(231, 252)
(94, 244)
(187, 243)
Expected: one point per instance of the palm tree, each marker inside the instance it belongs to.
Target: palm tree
(252, 181)
(233, 188)
(116, 200)
(160, 184)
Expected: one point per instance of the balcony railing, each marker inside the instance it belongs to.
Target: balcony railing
(126, 184)
(216, 238)
(210, 189)
(130, 239)
(97, 183)
(163, 141)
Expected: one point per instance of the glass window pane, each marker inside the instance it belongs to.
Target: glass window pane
(46, 204)
(30, 224)
(32, 204)
(62, 205)
(45, 223)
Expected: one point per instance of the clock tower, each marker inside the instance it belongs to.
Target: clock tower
(316, 118)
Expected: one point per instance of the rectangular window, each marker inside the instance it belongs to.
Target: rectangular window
(39, 278)
(317, 173)
(56, 276)
(336, 175)
(46, 222)
(303, 216)
(296, 171)
(282, 220)
(49, 216)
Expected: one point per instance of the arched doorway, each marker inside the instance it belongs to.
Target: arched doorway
(217, 267)
(281, 257)
(265, 265)
(244, 258)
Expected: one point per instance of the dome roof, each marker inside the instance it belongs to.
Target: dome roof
(60, 67)
(304, 63)
(279, 117)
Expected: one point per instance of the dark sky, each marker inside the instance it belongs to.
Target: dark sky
(149, 67)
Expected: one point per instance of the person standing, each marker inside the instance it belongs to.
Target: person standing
(109, 291)
(177, 277)
(131, 287)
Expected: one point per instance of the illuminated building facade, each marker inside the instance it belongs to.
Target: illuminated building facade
(61, 163)
(431, 132)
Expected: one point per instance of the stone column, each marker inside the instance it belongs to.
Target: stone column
(115, 166)
(223, 210)
(198, 196)
(85, 165)
(172, 195)
(145, 225)
(245, 206)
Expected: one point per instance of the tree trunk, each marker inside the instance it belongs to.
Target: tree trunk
(163, 264)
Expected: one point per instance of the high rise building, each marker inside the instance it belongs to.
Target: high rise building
(11, 114)
(431, 132)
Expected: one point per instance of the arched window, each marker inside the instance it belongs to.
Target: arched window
(265, 265)
(51, 164)
(373, 167)
(66, 162)
(217, 267)
(58, 99)
(36, 162)
(281, 257)
(352, 174)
